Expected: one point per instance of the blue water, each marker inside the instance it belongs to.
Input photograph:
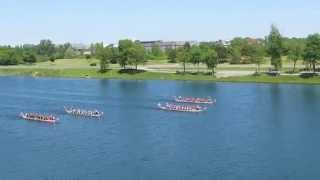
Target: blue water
(255, 131)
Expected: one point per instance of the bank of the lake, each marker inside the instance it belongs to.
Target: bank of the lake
(116, 74)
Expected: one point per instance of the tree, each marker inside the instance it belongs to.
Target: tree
(70, 53)
(246, 48)
(187, 46)
(124, 54)
(115, 55)
(30, 48)
(46, 48)
(275, 47)
(210, 58)
(157, 52)
(235, 55)
(8, 57)
(289, 42)
(136, 54)
(61, 50)
(236, 47)
(195, 56)
(256, 55)
(29, 58)
(295, 52)
(172, 55)
(104, 54)
(93, 48)
(222, 51)
(238, 41)
(183, 56)
(312, 50)
(131, 53)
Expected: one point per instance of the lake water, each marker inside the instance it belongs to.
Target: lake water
(255, 131)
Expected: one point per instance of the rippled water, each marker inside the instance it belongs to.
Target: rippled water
(255, 131)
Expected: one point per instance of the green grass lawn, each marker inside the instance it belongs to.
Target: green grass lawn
(165, 61)
(116, 74)
(93, 73)
(156, 64)
(63, 64)
(68, 64)
(80, 68)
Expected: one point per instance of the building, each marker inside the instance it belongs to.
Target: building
(225, 43)
(165, 44)
(81, 49)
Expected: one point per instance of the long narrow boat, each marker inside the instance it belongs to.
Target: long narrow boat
(194, 100)
(181, 108)
(39, 117)
(82, 112)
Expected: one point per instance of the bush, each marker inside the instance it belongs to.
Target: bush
(42, 58)
(59, 56)
(172, 60)
(52, 59)
(256, 74)
(114, 61)
(5, 61)
(93, 64)
(8, 58)
(29, 58)
(88, 56)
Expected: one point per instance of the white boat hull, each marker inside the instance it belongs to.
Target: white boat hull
(194, 100)
(25, 117)
(83, 113)
(166, 108)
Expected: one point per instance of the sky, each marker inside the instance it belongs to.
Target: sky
(80, 21)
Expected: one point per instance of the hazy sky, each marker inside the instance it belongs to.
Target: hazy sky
(80, 21)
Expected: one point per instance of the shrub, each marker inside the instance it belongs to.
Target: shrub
(52, 59)
(8, 58)
(29, 58)
(88, 56)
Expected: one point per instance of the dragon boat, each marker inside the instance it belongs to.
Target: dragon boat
(39, 117)
(83, 112)
(194, 100)
(181, 108)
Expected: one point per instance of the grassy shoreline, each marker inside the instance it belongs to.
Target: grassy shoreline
(116, 74)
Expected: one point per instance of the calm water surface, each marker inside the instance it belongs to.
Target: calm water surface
(255, 131)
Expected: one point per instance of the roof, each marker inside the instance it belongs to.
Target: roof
(80, 46)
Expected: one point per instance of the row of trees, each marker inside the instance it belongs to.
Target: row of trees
(196, 55)
(133, 53)
(307, 49)
(128, 53)
(28, 53)
(240, 50)
(256, 51)
(156, 53)
(255, 54)
(13, 56)
(274, 46)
